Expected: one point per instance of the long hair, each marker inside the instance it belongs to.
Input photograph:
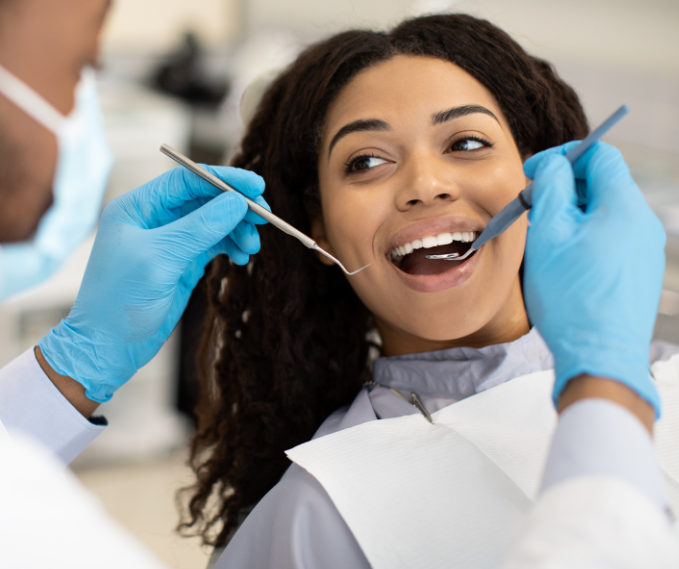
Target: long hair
(285, 341)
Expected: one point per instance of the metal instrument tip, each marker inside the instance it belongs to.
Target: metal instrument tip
(336, 261)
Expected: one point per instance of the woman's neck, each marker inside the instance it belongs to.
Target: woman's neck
(509, 324)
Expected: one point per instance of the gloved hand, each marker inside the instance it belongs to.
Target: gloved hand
(592, 280)
(150, 251)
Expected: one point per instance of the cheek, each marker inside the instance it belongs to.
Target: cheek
(495, 186)
(352, 218)
(504, 254)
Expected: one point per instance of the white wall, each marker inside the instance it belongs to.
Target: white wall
(155, 26)
(629, 33)
(623, 32)
(611, 51)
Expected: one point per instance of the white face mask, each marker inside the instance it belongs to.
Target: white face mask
(80, 181)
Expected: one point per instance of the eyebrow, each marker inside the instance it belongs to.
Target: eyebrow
(377, 125)
(369, 125)
(456, 112)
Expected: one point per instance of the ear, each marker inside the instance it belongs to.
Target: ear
(319, 236)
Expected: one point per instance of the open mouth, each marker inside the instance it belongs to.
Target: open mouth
(411, 257)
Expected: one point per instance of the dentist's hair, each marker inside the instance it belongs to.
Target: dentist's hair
(286, 339)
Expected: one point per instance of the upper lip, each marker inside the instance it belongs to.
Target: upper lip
(434, 226)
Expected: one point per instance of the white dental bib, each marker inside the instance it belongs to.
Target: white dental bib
(461, 486)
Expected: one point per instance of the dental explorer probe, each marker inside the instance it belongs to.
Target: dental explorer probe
(514, 209)
(258, 209)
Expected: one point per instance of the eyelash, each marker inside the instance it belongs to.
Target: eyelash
(483, 141)
(349, 164)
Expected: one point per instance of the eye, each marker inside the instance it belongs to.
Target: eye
(364, 162)
(469, 143)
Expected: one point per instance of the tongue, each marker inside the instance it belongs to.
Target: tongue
(417, 263)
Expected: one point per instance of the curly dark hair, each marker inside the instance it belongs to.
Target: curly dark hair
(286, 339)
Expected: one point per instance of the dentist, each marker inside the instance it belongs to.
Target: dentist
(151, 247)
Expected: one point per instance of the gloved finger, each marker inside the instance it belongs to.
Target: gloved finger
(554, 214)
(196, 269)
(246, 182)
(193, 205)
(246, 237)
(184, 288)
(242, 180)
(187, 282)
(227, 247)
(608, 178)
(531, 165)
(178, 192)
(240, 243)
(192, 235)
(252, 217)
(580, 182)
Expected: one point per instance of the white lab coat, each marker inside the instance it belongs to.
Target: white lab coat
(47, 519)
(595, 523)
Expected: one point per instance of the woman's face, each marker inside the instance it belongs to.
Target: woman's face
(416, 152)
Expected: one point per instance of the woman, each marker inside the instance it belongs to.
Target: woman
(385, 147)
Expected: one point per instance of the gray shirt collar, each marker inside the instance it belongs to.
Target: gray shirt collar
(457, 373)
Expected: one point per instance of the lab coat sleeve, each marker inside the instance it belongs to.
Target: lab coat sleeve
(596, 437)
(295, 526)
(602, 502)
(596, 522)
(31, 405)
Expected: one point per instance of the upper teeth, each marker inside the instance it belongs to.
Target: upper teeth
(433, 241)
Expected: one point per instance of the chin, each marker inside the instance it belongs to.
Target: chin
(13, 230)
(442, 322)
(20, 219)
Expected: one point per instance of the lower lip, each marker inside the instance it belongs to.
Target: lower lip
(453, 277)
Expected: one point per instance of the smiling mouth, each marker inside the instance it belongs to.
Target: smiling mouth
(411, 258)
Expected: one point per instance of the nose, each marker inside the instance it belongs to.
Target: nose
(427, 181)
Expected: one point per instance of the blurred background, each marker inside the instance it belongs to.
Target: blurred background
(174, 72)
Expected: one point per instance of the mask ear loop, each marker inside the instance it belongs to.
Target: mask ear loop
(30, 102)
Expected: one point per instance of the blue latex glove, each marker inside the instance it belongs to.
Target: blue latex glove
(150, 251)
(592, 280)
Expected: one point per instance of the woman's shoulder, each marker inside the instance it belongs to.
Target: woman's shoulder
(295, 525)
(360, 411)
